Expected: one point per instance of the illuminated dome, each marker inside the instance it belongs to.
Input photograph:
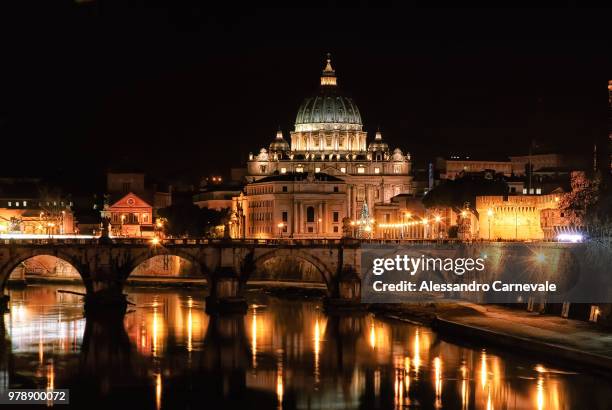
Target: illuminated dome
(328, 109)
(378, 144)
(279, 143)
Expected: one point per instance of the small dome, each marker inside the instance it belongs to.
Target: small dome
(378, 144)
(398, 155)
(279, 143)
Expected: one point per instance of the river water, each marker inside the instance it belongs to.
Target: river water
(283, 354)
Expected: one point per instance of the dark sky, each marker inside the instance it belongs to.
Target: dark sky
(183, 89)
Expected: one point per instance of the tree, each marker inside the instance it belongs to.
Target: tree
(588, 204)
(185, 219)
(455, 193)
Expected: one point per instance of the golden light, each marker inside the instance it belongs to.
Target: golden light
(437, 218)
(158, 391)
(368, 228)
(320, 220)
(489, 212)
(417, 353)
(464, 214)
(438, 381)
(556, 199)
(352, 223)
(159, 224)
(254, 337)
(280, 225)
(408, 215)
(483, 369)
(424, 221)
(155, 241)
(372, 336)
(540, 392)
(3, 227)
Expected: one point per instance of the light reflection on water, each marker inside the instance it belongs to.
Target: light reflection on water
(168, 353)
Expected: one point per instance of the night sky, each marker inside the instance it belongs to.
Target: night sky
(178, 89)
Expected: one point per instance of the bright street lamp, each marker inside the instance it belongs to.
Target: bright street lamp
(280, 226)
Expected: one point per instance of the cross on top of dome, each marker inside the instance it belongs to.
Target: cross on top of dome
(329, 75)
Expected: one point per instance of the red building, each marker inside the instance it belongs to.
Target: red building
(130, 216)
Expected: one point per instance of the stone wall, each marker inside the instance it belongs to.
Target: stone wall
(513, 217)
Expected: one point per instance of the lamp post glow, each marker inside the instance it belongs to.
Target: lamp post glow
(280, 226)
(489, 215)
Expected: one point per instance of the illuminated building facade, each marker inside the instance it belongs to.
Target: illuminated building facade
(130, 216)
(296, 205)
(328, 142)
(519, 217)
(26, 207)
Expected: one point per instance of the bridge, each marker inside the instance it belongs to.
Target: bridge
(105, 264)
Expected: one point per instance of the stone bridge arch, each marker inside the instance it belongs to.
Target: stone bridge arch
(140, 256)
(327, 274)
(17, 258)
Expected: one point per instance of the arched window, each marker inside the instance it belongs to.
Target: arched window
(310, 214)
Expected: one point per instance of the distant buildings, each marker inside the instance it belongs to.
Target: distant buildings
(28, 206)
(216, 193)
(454, 166)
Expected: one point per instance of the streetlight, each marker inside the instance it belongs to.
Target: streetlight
(368, 229)
(407, 216)
(280, 226)
(122, 222)
(319, 225)
(489, 215)
(50, 225)
(425, 222)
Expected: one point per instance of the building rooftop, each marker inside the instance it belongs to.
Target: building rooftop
(299, 176)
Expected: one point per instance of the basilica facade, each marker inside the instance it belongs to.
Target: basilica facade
(327, 177)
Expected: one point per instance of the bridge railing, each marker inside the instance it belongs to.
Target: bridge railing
(257, 242)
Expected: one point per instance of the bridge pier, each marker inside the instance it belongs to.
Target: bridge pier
(345, 294)
(104, 287)
(105, 303)
(4, 303)
(226, 292)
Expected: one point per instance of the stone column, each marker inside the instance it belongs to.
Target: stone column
(320, 216)
(348, 201)
(325, 217)
(300, 215)
(294, 219)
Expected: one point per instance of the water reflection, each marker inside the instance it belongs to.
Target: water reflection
(167, 353)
